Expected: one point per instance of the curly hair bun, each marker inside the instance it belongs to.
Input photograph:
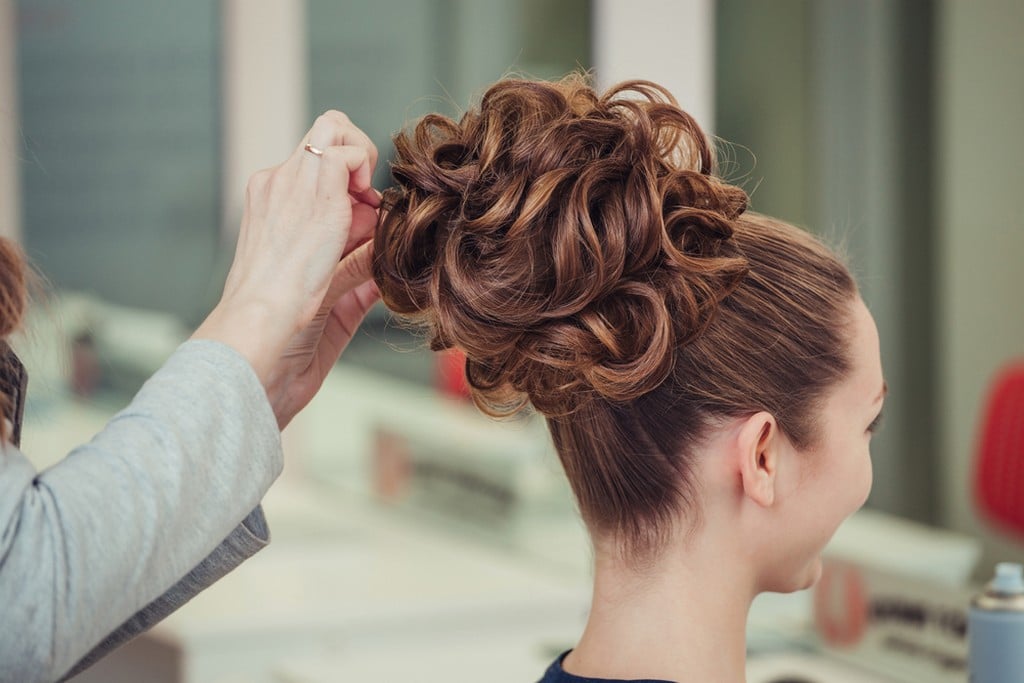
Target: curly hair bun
(568, 242)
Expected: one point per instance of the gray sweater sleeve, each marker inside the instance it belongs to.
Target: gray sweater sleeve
(245, 541)
(87, 544)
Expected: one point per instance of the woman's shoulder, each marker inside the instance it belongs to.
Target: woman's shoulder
(556, 674)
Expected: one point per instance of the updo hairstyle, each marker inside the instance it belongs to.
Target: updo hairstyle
(579, 250)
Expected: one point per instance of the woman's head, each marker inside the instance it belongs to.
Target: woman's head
(578, 248)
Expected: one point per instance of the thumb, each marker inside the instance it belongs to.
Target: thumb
(352, 271)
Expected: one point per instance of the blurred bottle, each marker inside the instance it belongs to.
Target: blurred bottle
(995, 628)
(85, 365)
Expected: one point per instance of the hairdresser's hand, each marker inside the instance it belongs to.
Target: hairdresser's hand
(291, 303)
(311, 353)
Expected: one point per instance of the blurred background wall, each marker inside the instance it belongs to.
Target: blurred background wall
(980, 219)
(827, 106)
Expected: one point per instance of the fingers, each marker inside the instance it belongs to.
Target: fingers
(370, 197)
(343, 166)
(342, 170)
(364, 222)
(331, 129)
(351, 272)
(346, 316)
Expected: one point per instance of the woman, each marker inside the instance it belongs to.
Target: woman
(710, 377)
(161, 503)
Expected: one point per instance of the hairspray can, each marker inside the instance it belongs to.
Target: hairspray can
(995, 628)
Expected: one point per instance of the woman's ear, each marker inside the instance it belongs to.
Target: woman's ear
(757, 443)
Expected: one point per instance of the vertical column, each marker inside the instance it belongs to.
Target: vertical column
(10, 136)
(265, 100)
(486, 45)
(670, 42)
(265, 93)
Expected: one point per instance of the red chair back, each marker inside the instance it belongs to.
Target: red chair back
(999, 470)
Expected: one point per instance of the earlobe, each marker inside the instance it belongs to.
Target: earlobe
(757, 450)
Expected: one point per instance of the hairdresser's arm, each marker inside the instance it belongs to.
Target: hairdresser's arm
(303, 364)
(90, 541)
(87, 544)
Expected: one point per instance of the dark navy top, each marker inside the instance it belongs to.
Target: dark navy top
(556, 674)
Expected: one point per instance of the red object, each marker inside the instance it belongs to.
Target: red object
(841, 604)
(999, 470)
(451, 373)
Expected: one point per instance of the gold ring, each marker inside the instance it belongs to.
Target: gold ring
(316, 151)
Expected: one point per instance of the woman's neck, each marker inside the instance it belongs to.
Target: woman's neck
(682, 620)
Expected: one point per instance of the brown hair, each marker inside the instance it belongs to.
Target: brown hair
(13, 300)
(578, 248)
